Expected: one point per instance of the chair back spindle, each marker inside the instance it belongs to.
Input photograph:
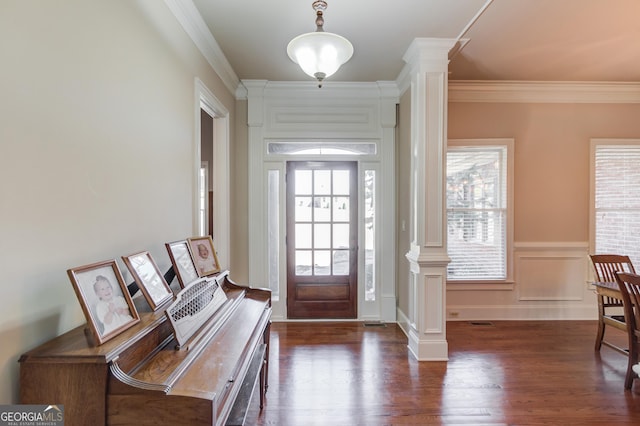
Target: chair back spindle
(610, 308)
(606, 265)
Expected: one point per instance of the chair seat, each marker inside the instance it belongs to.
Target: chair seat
(615, 321)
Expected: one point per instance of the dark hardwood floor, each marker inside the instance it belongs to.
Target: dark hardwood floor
(505, 372)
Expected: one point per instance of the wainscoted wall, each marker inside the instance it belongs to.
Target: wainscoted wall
(551, 133)
(550, 272)
(552, 281)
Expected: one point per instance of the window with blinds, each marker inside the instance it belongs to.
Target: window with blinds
(617, 200)
(477, 212)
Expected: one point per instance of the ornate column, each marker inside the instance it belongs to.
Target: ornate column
(428, 62)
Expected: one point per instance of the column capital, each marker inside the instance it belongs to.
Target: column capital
(255, 96)
(429, 54)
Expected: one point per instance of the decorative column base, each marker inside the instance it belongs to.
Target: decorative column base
(427, 350)
(427, 331)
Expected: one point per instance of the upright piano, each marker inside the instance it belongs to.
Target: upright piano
(146, 376)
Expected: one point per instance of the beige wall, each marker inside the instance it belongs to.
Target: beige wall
(239, 197)
(97, 119)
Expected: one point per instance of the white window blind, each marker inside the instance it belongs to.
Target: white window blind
(617, 200)
(477, 212)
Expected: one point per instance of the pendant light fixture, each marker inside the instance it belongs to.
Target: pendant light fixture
(319, 53)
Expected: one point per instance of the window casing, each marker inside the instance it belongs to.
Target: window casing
(273, 232)
(479, 210)
(616, 197)
(370, 230)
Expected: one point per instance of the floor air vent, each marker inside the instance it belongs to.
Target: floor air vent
(485, 323)
(374, 324)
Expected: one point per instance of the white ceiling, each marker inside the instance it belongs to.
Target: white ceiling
(540, 40)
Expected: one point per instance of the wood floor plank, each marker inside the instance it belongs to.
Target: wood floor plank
(501, 373)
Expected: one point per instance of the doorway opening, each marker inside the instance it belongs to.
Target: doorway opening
(211, 209)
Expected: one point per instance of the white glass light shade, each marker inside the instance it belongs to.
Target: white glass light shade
(320, 54)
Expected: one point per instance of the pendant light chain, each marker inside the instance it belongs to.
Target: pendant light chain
(319, 6)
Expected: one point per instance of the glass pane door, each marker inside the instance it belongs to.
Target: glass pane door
(322, 239)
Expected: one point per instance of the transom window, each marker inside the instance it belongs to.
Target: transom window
(322, 148)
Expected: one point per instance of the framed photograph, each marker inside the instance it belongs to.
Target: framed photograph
(104, 298)
(204, 255)
(182, 262)
(149, 278)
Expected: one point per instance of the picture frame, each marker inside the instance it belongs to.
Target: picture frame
(204, 255)
(182, 262)
(104, 299)
(150, 280)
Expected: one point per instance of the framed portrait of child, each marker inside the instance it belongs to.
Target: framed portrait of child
(104, 299)
(204, 255)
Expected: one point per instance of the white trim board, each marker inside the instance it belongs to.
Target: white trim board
(543, 92)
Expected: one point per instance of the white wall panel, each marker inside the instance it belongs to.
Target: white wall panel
(545, 277)
(550, 272)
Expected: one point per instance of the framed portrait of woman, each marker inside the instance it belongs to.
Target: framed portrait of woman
(204, 255)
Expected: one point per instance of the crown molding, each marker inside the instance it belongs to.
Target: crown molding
(403, 81)
(191, 20)
(330, 89)
(544, 91)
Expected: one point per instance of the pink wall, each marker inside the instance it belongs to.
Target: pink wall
(551, 187)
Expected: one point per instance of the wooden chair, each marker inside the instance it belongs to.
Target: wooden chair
(606, 265)
(630, 289)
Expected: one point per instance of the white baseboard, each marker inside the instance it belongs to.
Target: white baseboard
(522, 313)
(511, 313)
